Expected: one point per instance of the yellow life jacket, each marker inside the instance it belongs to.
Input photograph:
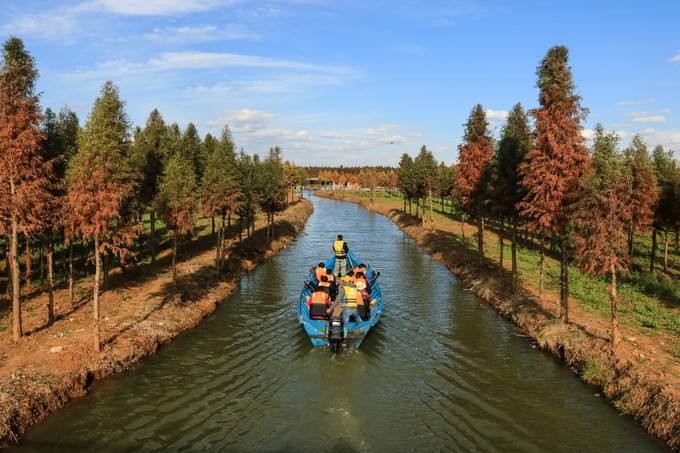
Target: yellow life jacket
(351, 295)
(339, 249)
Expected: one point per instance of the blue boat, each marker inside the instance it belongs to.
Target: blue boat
(324, 333)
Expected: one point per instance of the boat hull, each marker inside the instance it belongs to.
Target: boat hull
(356, 332)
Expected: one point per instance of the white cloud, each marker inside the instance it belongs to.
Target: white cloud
(150, 7)
(669, 138)
(675, 58)
(498, 115)
(46, 26)
(649, 119)
(202, 33)
(170, 61)
(282, 84)
(637, 102)
(665, 111)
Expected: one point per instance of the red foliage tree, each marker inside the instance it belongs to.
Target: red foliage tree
(602, 218)
(552, 169)
(474, 156)
(100, 183)
(23, 182)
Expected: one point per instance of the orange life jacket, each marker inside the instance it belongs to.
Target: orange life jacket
(324, 284)
(319, 297)
(319, 272)
(362, 279)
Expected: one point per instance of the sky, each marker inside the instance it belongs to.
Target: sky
(353, 82)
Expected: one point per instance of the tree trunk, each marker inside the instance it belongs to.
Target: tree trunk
(152, 220)
(174, 263)
(28, 261)
(105, 268)
(41, 264)
(613, 298)
(404, 204)
(431, 218)
(218, 250)
(630, 243)
(95, 311)
(564, 283)
(665, 251)
(417, 206)
(462, 225)
(501, 246)
(50, 279)
(652, 253)
(541, 264)
(14, 259)
(480, 238)
(513, 252)
(212, 222)
(70, 272)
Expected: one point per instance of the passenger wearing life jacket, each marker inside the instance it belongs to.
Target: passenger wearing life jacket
(352, 300)
(340, 249)
(348, 277)
(363, 309)
(333, 285)
(360, 277)
(324, 283)
(319, 270)
(318, 303)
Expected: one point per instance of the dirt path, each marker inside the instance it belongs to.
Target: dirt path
(641, 379)
(51, 366)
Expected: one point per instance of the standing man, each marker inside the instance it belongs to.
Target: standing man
(340, 249)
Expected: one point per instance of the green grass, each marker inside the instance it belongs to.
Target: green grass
(648, 301)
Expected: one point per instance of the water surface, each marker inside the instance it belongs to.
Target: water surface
(442, 372)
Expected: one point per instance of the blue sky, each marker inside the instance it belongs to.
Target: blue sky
(353, 82)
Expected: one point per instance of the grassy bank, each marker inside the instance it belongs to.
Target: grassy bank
(139, 313)
(641, 379)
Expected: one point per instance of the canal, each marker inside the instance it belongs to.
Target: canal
(441, 372)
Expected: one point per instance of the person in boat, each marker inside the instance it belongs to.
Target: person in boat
(324, 283)
(350, 299)
(348, 277)
(318, 302)
(319, 270)
(333, 284)
(362, 290)
(340, 249)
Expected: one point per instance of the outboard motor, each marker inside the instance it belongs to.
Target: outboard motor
(336, 334)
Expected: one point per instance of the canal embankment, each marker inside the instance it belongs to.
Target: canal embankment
(640, 378)
(140, 312)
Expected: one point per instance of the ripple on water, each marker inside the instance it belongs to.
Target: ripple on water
(441, 372)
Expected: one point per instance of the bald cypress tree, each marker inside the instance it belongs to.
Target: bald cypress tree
(177, 201)
(667, 209)
(192, 151)
(474, 156)
(425, 169)
(516, 139)
(101, 183)
(407, 179)
(24, 185)
(553, 168)
(643, 190)
(149, 155)
(602, 217)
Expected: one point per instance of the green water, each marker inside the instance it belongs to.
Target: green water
(441, 372)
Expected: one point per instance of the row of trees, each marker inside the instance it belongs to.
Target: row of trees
(62, 184)
(590, 202)
(360, 177)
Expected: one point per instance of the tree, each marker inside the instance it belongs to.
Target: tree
(68, 128)
(220, 192)
(474, 156)
(177, 201)
(149, 154)
(445, 183)
(602, 218)
(507, 191)
(23, 182)
(643, 190)
(553, 168)
(193, 152)
(100, 184)
(425, 172)
(271, 187)
(667, 209)
(407, 180)
(246, 175)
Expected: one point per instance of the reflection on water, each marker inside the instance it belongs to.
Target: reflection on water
(441, 372)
